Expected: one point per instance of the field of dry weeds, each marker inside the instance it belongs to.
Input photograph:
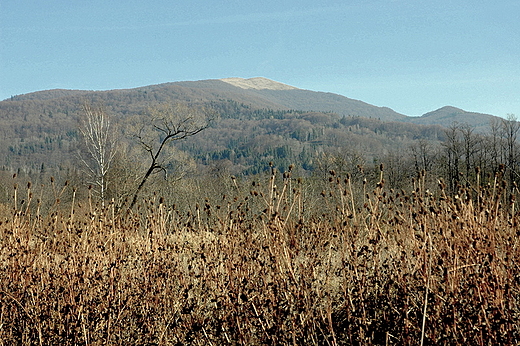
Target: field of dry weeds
(273, 264)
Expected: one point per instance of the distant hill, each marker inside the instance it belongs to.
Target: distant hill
(257, 93)
(260, 121)
(260, 93)
(447, 116)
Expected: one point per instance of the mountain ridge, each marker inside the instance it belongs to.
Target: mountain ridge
(264, 93)
(260, 121)
(448, 115)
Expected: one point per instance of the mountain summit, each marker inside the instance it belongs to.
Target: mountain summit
(258, 83)
(256, 93)
(449, 115)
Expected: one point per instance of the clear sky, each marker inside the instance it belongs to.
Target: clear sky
(413, 56)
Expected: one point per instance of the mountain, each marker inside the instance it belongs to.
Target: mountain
(448, 115)
(261, 120)
(300, 99)
(259, 93)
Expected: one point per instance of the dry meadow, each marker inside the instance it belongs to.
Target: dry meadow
(274, 262)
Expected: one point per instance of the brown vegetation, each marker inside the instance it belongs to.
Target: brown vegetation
(277, 260)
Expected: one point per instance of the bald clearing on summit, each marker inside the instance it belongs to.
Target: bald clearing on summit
(257, 83)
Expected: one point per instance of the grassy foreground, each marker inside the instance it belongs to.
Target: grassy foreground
(266, 266)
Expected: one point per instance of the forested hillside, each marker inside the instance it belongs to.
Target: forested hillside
(45, 134)
(255, 128)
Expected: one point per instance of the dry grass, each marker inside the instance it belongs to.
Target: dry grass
(262, 268)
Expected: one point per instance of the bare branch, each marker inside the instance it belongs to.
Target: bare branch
(170, 123)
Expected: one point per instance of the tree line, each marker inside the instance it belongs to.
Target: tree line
(120, 155)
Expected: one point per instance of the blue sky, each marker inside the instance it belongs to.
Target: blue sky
(413, 56)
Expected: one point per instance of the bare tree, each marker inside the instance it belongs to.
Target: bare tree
(423, 154)
(494, 143)
(510, 132)
(454, 153)
(100, 146)
(168, 123)
(471, 148)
